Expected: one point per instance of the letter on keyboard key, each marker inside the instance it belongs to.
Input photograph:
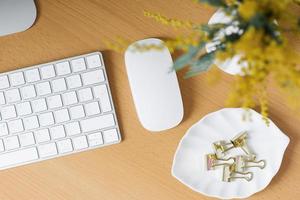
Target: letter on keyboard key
(93, 77)
(61, 116)
(47, 150)
(46, 119)
(54, 101)
(63, 68)
(3, 129)
(47, 71)
(64, 146)
(4, 82)
(95, 139)
(17, 157)
(85, 94)
(59, 85)
(26, 139)
(110, 136)
(8, 112)
(57, 132)
(74, 81)
(43, 88)
(32, 75)
(80, 142)
(72, 128)
(11, 142)
(39, 105)
(16, 79)
(28, 92)
(15, 126)
(23, 108)
(69, 98)
(12, 95)
(42, 135)
(31, 122)
(93, 61)
(92, 108)
(97, 123)
(77, 112)
(78, 65)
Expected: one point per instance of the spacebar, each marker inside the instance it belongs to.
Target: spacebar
(18, 157)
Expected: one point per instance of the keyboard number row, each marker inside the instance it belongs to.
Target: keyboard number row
(49, 71)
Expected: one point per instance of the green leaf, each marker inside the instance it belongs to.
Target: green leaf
(186, 59)
(201, 65)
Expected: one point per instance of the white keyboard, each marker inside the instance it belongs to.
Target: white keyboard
(55, 109)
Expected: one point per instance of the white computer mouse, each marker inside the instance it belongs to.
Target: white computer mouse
(154, 86)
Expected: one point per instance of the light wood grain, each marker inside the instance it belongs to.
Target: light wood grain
(139, 167)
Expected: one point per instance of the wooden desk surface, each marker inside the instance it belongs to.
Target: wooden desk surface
(139, 167)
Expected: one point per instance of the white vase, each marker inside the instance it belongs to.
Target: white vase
(231, 65)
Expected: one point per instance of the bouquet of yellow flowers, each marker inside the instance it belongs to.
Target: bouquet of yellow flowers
(257, 36)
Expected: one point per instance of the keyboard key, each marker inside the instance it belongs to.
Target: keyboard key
(47, 71)
(77, 112)
(57, 132)
(43, 88)
(95, 139)
(97, 123)
(4, 82)
(59, 85)
(17, 157)
(46, 119)
(16, 79)
(1, 145)
(85, 94)
(111, 136)
(80, 142)
(54, 101)
(61, 116)
(8, 112)
(15, 126)
(93, 61)
(92, 108)
(101, 92)
(12, 95)
(63, 68)
(23, 108)
(93, 77)
(72, 128)
(26, 139)
(2, 99)
(47, 150)
(32, 75)
(69, 98)
(42, 135)
(64, 146)
(78, 65)
(31, 122)
(28, 92)
(3, 129)
(11, 142)
(74, 81)
(39, 105)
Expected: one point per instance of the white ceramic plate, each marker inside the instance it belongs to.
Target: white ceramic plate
(267, 142)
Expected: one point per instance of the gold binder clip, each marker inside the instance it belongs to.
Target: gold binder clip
(221, 147)
(213, 161)
(240, 140)
(230, 173)
(243, 162)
